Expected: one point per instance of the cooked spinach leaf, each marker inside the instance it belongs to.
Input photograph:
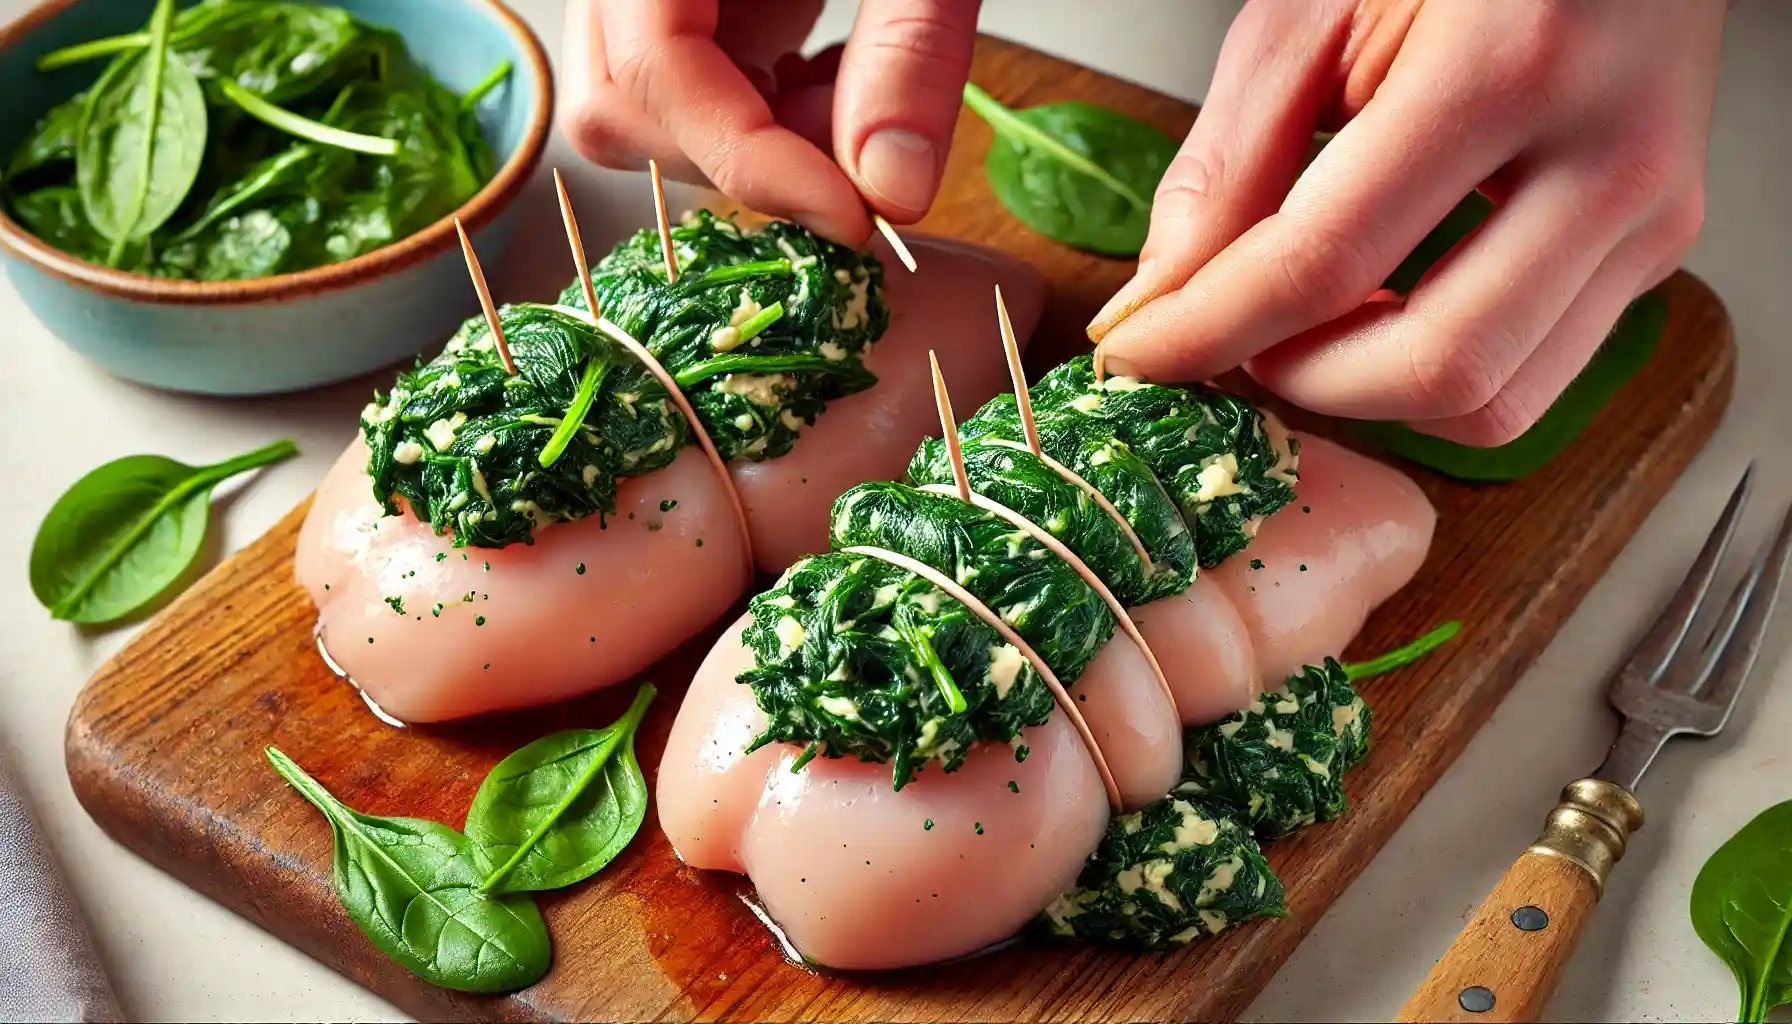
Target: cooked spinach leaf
(1164, 875)
(1000, 466)
(1742, 908)
(753, 378)
(1034, 591)
(557, 811)
(276, 90)
(1279, 764)
(494, 457)
(1078, 173)
(1626, 350)
(127, 531)
(140, 141)
(1227, 464)
(854, 656)
(412, 887)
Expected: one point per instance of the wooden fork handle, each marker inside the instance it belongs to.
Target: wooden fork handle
(1505, 964)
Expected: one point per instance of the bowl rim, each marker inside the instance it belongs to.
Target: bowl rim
(427, 243)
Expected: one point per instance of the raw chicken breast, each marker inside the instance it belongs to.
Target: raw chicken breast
(1324, 571)
(858, 875)
(432, 632)
(1355, 533)
(537, 629)
(850, 869)
(948, 306)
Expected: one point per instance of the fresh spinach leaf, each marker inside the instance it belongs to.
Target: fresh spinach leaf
(1626, 350)
(127, 531)
(51, 142)
(55, 215)
(304, 127)
(555, 812)
(141, 140)
(412, 887)
(1742, 908)
(1078, 173)
(491, 81)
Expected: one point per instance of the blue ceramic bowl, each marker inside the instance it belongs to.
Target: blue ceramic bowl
(290, 331)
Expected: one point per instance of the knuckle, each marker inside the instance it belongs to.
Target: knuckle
(1501, 421)
(1462, 373)
(1535, 49)
(1681, 219)
(1328, 272)
(632, 68)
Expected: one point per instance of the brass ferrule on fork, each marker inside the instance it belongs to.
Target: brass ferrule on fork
(1590, 827)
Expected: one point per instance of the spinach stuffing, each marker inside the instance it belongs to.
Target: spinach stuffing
(761, 330)
(843, 685)
(1188, 864)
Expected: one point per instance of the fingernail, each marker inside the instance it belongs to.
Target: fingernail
(1120, 366)
(1125, 301)
(899, 166)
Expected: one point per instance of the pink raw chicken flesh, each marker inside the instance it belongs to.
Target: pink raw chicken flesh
(485, 629)
(848, 867)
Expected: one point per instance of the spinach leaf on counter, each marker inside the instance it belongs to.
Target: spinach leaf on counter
(140, 141)
(124, 533)
(412, 887)
(557, 811)
(276, 99)
(1074, 172)
(1742, 908)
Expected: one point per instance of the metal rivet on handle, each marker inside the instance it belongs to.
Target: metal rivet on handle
(1475, 999)
(1530, 919)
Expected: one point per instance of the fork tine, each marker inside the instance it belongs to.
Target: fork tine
(1739, 656)
(1692, 672)
(1651, 655)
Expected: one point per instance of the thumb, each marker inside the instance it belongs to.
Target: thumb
(896, 100)
(1277, 74)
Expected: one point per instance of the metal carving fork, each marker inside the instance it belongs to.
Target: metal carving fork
(1506, 962)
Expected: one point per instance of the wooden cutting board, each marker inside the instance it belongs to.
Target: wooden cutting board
(165, 744)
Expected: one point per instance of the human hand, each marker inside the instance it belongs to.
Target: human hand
(1585, 123)
(715, 91)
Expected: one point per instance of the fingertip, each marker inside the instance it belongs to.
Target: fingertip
(898, 170)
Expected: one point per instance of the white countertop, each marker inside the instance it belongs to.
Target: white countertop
(174, 955)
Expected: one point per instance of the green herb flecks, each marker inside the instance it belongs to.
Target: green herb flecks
(1077, 173)
(412, 887)
(127, 531)
(213, 145)
(557, 811)
(1742, 907)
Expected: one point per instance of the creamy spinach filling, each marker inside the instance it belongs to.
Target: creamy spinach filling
(762, 329)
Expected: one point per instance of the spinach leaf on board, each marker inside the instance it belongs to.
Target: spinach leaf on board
(1078, 173)
(1742, 908)
(557, 811)
(127, 531)
(141, 140)
(412, 887)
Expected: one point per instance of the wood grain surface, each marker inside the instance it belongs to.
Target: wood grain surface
(165, 744)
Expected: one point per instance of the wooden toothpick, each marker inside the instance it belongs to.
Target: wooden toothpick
(659, 212)
(485, 298)
(1023, 401)
(578, 246)
(949, 428)
(895, 240)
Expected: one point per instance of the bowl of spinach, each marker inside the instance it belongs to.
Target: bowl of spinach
(254, 196)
